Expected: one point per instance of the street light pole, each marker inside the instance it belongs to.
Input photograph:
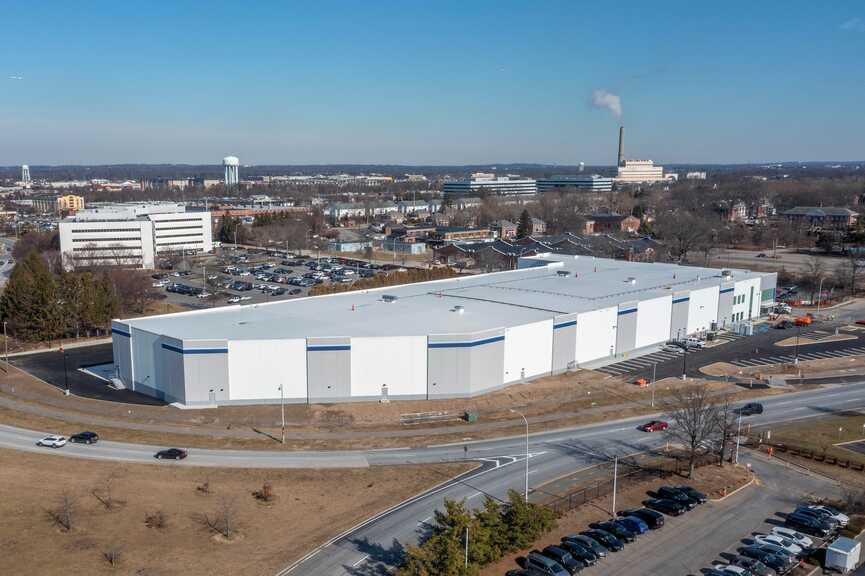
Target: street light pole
(738, 434)
(796, 352)
(282, 410)
(523, 416)
(654, 374)
(65, 372)
(819, 295)
(684, 361)
(5, 344)
(615, 483)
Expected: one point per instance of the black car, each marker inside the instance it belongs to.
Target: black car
(171, 454)
(669, 507)
(653, 520)
(670, 493)
(818, 514)
(753, 566)
(524, 572)
(565, 558)
(808, 525)
(693, 494)
(295, 291)
(607, 540)
(616, 528)
(589, 544)
(580, 551)
(779, 564)
(85, 438)
(750, 409)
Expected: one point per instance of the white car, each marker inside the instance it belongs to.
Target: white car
(245, 298)
(842, 519)
(234, 300)
(204, 295)
(797, 537)
(779, 541)
(52, 441)
(732, 570)
(695, 343)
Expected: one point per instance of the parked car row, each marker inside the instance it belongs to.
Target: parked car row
(578, 551)
(783, 548)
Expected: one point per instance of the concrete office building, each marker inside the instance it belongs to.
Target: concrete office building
(490, 183)
(444, 339)
(231, 164)
(591, 183)
(132, 235)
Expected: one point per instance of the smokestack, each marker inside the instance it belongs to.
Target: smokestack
(621, 145)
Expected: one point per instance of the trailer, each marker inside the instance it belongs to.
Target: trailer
(842, 555)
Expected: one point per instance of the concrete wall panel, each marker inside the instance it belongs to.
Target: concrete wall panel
(145, 351)
(400, 363)
(328, 369)
(170, 373)
(121, 347)
(564, 342)
(528, 350)
(725, 305)
(596, 334)
(653, 321)
(679, 315)
(258, 368)
(702, 309)
(626, 327)
(464, 364)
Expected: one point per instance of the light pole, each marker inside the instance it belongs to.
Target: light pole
(527, 450)
(654, 374)
(5, 344)
(615, 482)
(796, 351)
(282, 410)
(65, 372)
(685, 361)
(738, 434)
(819, 295)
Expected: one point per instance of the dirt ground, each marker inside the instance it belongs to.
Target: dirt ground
(310, 506)
(577, 398)
(711, 480)
(805, 341)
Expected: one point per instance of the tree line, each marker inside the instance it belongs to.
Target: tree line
(461, 542)
(381, 280)
(40, 304)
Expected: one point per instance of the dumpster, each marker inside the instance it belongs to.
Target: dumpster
(843, 555)
(471, 416)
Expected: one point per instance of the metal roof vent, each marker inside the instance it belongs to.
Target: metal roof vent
(563, 273)
(459, 309)
(388, 298)
(726, 274)
(631, 280)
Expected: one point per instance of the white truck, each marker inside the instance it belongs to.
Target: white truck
(842, 555)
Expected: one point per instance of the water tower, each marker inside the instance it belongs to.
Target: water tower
(232, 171)
(25, 174)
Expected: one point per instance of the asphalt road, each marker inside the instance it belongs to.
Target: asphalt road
(376, 544)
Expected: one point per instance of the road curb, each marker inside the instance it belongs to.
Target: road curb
(737, 490)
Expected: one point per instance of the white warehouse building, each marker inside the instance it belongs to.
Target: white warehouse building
(132, 235)
(450, 338)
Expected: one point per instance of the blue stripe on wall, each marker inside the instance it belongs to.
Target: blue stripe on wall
(195, 350)
(466, 344)
(725, 290)
(120, 332)
(628, 311)
(685, 299)
(565, 324)
(328, 347)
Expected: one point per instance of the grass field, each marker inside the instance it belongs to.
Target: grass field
(309, 507)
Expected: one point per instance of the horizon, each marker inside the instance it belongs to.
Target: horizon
(449, 84)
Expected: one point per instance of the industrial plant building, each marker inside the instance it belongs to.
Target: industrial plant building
(451, 338)
(132, 235)
(591, 183)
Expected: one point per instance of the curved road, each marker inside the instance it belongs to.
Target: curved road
(375, 544)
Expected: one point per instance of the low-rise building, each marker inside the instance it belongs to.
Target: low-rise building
(505, 229)
(480, 183)
(821, 217)
(590, 183)
(610, 222)
(639, 172)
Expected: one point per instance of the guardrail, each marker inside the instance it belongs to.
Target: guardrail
(427, 417)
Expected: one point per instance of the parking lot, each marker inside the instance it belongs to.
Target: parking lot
(713, 533)
(248, 276)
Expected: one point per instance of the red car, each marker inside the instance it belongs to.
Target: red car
(654, 426)
(860, 322)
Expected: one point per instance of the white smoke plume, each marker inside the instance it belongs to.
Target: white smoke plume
(608, 101)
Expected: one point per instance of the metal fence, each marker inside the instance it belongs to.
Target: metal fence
(632, 474)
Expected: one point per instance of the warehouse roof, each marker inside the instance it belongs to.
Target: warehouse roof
(489, 301)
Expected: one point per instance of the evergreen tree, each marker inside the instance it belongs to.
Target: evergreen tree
(525, 521)
(490, 540)
(524, 227)
(30, 302)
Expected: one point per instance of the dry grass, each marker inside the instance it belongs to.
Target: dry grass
(309, 506)
(828, 366)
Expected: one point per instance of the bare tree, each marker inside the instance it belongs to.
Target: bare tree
(814, 274)
(848, 273)
(105, 495)
(693, 420)
(223, 520)
(682, 232)
(64, 513)
(112, 554)
(727, 423)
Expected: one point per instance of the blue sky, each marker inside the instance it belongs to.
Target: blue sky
(429, 82)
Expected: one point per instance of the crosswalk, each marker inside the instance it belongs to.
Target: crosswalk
(787, 358)
(642, 363)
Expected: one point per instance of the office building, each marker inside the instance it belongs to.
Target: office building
(132, 235)
(590, 183)
(481, 183)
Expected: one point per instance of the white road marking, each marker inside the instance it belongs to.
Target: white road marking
(361, 561)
